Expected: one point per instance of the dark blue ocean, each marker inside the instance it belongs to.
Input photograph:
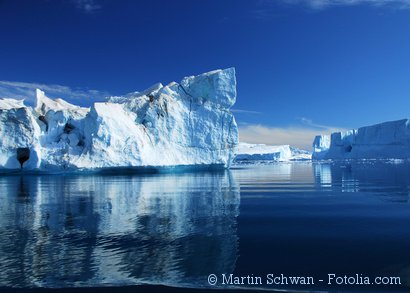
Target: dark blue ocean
(344, 221)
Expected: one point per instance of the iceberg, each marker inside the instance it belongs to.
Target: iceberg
(248, 152)
(388, 140)
(186, 123)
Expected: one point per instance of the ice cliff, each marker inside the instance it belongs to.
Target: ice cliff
(262, 152)
(186, 123)
(388, 140)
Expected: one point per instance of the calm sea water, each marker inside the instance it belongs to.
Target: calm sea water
(295, 219)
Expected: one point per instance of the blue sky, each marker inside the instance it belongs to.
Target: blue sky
(303, 66)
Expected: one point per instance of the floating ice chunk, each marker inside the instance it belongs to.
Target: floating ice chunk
(263, 152)
(388, 140)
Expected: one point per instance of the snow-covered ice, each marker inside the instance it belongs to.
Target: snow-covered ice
(186, 123)
(263, 152)
(388, 140)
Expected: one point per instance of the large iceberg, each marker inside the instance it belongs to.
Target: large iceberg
(186, 123)
(248, 152)
(388, 140)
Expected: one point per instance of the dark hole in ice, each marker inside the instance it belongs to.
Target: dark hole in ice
(23, 154)
(151, 97)
(68, 128)
(81, 142)
(160, 114)
(348, 149)
(44, 120)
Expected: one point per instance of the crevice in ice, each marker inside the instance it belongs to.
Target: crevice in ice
(146, 132)
(68, 128)
(163, 109)
(151, 98)
(190, 121)
(43, 119)
(179, 85)
(81, 142)
(222, 130)
(229, 143)
(190, 111)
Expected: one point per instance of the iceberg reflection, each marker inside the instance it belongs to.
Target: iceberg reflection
(62, 231)
(383, 178)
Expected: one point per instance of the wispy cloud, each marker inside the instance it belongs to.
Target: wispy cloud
(265, 9)
(26, 91)
(241, 111)
(309, 122)
(87, 6)
(298, 136)
(320, 4)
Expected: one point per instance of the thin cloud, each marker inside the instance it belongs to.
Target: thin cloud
(87, 6)
(26, 91)
(320, 4)
(241, 111)
(266, 9)
(298, 136)
(308, 122)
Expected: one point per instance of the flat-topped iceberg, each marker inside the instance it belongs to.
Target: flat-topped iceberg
(388, 140)
(186, 123)
(261, 152)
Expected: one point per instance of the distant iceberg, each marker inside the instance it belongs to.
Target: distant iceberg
(388, 140)
(261, 152)
(186, 123)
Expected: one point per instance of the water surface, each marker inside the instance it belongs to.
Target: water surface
(296, 219)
